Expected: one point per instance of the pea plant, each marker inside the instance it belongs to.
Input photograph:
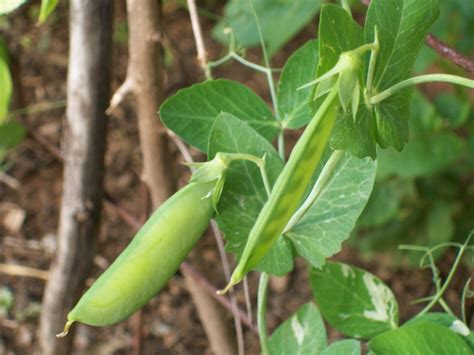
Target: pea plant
(351, 89)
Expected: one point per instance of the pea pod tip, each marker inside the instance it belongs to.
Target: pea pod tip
(66, 329)
(231, 284)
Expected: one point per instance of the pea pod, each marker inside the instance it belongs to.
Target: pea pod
(289, 188)
(150, 260)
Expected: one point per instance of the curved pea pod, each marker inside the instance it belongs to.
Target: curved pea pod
(150, 260)
(288, 189)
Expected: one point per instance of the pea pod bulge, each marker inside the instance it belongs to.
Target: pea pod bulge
(150, 260)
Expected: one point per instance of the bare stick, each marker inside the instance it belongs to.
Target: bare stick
(122, 92)
(450, 53)
(201, 50)
(19, 270)
(10, 181)
(84, 147)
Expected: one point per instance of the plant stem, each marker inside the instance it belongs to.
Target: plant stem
(345, 6)
(318, 187)
(446, 78)
(271, 83)
(439, 294)
(260, 162)
(465, 292)
(281, 144)
(261, 312)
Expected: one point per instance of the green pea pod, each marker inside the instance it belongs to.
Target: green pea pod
(150, 260)
(289, 188)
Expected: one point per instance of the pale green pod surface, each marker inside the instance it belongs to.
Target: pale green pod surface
(289, 188)
(150, 260)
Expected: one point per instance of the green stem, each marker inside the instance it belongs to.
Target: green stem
(271, 83)
(445, 306)
(446, 78)
(261, 312)
(371, 70)
(281, 144)
(345, 6)
(439, 294)
(260, 162)
(249, 64)
(465, 292)
(318, 188)
(220, 61)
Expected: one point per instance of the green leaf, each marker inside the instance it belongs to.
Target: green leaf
(244, 193)
(191, 112)
(7, 6)
(302, 333)
(353, 301)
(6, 82)
(455, 110)
(343, 347)
(298, 70)
(419, 339)
(448, 321)
(321, 231)
(383, 204)
(11, 134)
(402, 26)
(47, 7)
(279, 21)
(357, 137)
(423, 156)
(339, 33)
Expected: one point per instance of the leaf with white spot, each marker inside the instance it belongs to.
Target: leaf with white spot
(447, 321)
(302, 333)
(354, 301)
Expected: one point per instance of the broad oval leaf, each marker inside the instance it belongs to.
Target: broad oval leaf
(300, 68)
(354, 301)
(279, 21)
(339, 33)
(402, 26)
(302, 333)
(320, 233)
(244, 193)
(191, 112)
(419, 339)
(343, 347)
(448, 321)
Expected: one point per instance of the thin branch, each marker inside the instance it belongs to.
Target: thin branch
(10, 181)
(119, 96)
(450, 53)
(19, 270)
(201, 50)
